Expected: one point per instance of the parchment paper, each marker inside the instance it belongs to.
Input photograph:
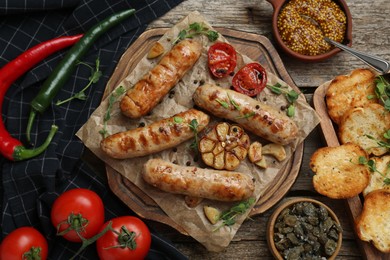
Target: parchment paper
(192, 220)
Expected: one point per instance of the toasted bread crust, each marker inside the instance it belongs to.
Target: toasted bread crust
(359, 123)
(338, 173)
(349, 91)
(373, 223)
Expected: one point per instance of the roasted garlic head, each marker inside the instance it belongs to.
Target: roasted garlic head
(224, 147)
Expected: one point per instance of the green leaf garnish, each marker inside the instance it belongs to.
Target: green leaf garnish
(194, 127)
(222, 103)
(382, 91)
(248, 115)
(291, 96)
(95, 76)
(107, 116)
(381, 143)
(236, 106)
(372, 167)
(177, 119)
(228, 217)
(196, 29)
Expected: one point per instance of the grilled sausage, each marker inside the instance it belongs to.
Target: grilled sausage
(153, 86)
(197, 182)
(155, 137)
(256, 117)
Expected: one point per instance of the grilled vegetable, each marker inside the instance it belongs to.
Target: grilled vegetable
(224, 147)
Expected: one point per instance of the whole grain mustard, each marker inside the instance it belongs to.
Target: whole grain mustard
(303, 25)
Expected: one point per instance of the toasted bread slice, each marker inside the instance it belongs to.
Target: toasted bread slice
(377, 179)
(338, 174)
(349, 91)
(373, 223)
(359, 123)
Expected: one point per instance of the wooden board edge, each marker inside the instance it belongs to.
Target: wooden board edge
(354, 205)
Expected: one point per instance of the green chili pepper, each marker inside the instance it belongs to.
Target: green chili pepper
(65, 68)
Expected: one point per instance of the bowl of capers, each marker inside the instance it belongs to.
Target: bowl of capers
(303, 228)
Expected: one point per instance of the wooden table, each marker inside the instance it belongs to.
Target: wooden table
(371, 33)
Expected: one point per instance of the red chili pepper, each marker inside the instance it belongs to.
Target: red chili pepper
(10, 147)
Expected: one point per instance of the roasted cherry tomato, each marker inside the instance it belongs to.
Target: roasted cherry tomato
(129, 238)
(222, 59)
(250, 79)
(77, 211)
(24, 243)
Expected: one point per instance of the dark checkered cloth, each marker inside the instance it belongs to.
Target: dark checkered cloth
(29, 187)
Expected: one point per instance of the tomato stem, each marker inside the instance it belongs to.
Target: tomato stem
(87, 242)
(75, 222)
(126, 239)
(33, 254)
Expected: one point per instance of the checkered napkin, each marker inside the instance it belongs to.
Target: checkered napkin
(29, 187)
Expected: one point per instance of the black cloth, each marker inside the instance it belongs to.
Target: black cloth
(30, 187)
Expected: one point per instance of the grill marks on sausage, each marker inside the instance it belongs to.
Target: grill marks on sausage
(259, 114)
(155, 137)
(253, 115)
(155, 84)
(197, 182)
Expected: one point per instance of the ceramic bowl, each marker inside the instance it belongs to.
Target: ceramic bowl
(278, 5)
(289, 203)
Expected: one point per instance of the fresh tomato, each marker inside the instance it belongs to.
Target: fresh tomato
(24, 243)
(129, 238)
(77, 212)
(250, 79)
(222, 59)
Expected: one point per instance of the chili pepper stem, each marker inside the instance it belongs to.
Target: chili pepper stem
(30, 122)
(22, 153)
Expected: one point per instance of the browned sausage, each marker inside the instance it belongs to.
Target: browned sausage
(155, 137)
(255, 116)
(152, 87)
(197, 182)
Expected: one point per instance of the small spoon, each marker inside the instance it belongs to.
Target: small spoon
(375, 62)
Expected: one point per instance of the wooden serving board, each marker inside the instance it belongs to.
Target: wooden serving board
(355, 204)
(256, 47)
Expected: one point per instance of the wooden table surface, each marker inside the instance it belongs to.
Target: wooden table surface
(371, 33)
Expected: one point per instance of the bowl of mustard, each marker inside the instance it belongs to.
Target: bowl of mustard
(300, 27)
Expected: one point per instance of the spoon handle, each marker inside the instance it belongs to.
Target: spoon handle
(375, 62)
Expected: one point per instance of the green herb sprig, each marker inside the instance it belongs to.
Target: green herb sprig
(226, 105)
(248, 115)
(381, 143)
(95, 76)
(196, 29)
(291, 96)
(372, 167)
(382, 91)
(107, 116)
(194, 127)
(228, 217)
